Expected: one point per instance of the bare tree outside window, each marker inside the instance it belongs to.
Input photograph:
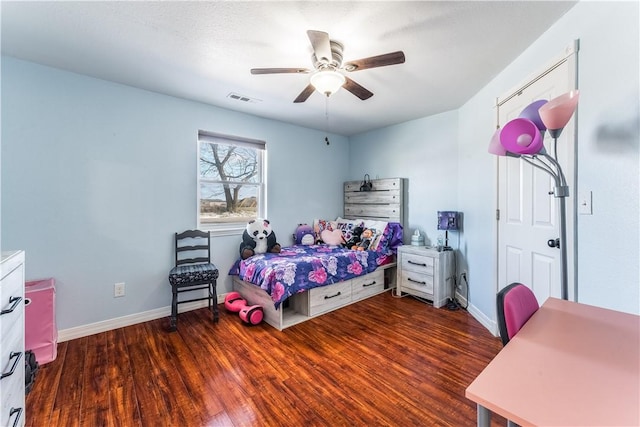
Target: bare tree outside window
(230, 179)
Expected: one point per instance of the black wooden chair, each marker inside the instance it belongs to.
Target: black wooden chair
(193, 271)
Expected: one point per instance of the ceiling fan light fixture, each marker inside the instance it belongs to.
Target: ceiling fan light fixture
(327, 82)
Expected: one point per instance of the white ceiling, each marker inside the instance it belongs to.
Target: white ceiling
(203, 51)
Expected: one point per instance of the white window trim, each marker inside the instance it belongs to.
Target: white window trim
(232, 229)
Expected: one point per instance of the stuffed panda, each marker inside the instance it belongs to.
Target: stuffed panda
(258, 238)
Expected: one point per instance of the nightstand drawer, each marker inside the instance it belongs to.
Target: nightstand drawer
(327, 298)
(417, 263)
(418, 282)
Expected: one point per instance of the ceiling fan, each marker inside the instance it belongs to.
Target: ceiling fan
(327, 61)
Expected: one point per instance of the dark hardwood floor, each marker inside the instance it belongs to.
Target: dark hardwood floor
(383, 361)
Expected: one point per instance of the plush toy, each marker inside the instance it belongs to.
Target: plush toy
(365, 239)
(355, 238)
(332, 237)
(304, 235)
(258, 238)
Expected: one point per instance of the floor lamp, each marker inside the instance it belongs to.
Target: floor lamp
(523, 137)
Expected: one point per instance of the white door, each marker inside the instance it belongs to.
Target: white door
(528, 214)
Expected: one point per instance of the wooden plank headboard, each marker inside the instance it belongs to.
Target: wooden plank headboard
(385, 202)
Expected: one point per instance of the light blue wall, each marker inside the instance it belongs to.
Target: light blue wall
(83, 161)
(462, 177)
(425, 152)
(608, 120)
(97, 176)
(608, 154)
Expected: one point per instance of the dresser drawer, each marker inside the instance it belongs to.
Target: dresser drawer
(418, 264)
(11, 299)
(11, 327)
(12, 396)
(12, 339)
(12, 321)
(329, 297)
(12, 386)
(365, 286)
(416, 281)
(14, 382)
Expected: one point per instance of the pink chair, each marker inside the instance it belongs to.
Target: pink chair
(516, 304)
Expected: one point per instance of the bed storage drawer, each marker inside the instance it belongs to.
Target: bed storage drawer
(327, 298)
(371, 284)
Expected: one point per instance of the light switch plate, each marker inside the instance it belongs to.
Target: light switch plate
(585, 203)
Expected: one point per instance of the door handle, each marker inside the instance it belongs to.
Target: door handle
(553, 243)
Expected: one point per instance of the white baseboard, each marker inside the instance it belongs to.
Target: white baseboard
(461, 300)
(132, 319)
(158, 313)
(491, 325)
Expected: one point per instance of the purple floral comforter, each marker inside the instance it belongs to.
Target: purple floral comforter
(300, 268)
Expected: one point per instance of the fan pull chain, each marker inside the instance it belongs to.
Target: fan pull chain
(326, 117)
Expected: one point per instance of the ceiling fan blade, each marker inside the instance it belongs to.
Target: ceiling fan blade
(321, 45)
(306, 93)
(356, 89)
(279, 70)
(375, 61)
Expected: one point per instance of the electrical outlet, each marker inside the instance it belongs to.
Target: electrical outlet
(118, 290)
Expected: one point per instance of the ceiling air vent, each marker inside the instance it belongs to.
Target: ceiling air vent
(241, 98)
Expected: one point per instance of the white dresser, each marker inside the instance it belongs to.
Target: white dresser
(12, 364)
(426, 273)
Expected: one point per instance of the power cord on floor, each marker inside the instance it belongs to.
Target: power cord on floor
(452, 304)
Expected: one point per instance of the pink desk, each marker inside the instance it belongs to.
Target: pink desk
(570, 365)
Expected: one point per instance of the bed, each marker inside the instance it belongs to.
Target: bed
(305, 281)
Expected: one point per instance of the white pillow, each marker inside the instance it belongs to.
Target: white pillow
(347, 226)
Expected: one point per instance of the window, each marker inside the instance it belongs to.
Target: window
(231, 188)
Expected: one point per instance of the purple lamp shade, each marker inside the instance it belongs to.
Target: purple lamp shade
(521, 136)
(556, 113)
(531, 112)
(495, 147)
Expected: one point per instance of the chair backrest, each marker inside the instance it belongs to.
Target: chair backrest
(191, 247)
(516, 303)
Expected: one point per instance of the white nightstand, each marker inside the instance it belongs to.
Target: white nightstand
(426, 273)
